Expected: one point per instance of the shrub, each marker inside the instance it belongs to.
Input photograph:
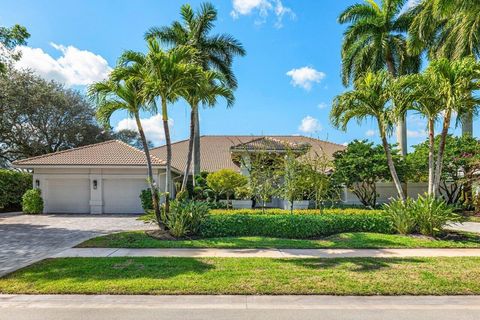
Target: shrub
(293, 226)
(146, 199)
(295, 212)
(32, 202)
(432, 214)
(225, 181)
(185, 217)
(243, 193)
(13, 184)
(402, 215)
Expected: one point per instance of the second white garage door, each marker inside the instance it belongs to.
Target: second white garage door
(68, 196)
(123, 195)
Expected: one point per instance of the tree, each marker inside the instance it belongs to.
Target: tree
(361, 165)
(10, 38)
(375, 41)
(370, 98)
(225, 181)
(211, 85)
(295, 182)
(447, 29)
(123, 92)
(216, 52)
(39, 117)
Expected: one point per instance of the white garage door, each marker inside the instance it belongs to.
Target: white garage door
(68, 196)
(123, 195)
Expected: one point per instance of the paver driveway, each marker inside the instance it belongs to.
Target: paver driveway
(25, 239)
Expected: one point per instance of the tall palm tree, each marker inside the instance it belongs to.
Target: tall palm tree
(210, 87)
(121, 92)
(454, 83)
(449, 29)
(168, 76)
(215, 52)
(375, 40)
(370, 98)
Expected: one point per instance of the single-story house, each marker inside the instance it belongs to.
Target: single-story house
(108, 177)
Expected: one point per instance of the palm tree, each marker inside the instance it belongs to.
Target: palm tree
(167, 77)
(454, 83)
(211, 85)
(215, 52)
(449, 29)
(122, 92)
(375, 41)
(370, 98)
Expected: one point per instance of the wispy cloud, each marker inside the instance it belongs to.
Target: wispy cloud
(262, 8)
(305, 77)
(322, 105)
(371, 133)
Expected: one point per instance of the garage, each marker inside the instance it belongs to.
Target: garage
(68, 196)
(122, 195)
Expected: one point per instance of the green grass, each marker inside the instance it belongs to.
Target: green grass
(347, 276)
(138, 239)
(473, 219)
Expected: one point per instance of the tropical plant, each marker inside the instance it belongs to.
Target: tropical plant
(185, 217)
(225, 181)
(370, 98)
(374, 41)
(123, 91)
(432, 214)
(32, 202)
(449, 29)
(402, 215)
(216, 52)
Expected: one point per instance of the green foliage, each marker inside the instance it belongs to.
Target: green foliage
(182, 195)
(301, 212)
(295, 185)
(13, 185)
(185, 217)
(32, 202)
(10, 38)
(225, 181)
(426, 215)
(243, 193)
(292, 226)
(361, 165)
(146, 199)
(402, 215)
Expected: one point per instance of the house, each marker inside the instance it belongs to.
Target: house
(108, 177)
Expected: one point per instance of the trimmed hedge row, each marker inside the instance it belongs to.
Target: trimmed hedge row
(300, 226)
(13, 185)
(296, 212)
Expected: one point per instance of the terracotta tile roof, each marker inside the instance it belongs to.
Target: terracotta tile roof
(216, 153)
(108, 153)
(269, 144)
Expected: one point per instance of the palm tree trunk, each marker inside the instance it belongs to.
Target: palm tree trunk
(431, 152)
(190, 148)
(391, 165)
(151, 182)
(441, 150)
(196, 146)
(168, 142)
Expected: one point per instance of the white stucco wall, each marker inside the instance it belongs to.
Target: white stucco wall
(71, 190)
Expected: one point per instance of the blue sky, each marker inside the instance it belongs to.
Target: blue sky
(77, 42)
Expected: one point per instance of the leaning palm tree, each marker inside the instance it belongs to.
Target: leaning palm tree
(449, 29)
(375, 40)
(370, 98)
(455, 83)
(168, 76)
(122, 92)
(210, 87)
(215, 52)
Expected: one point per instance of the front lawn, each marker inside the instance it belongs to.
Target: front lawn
(138, 239)
(347, 276)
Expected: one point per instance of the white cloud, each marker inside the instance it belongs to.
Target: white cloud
(412, 3)
(305, 77)
(73, 67)
(309, 125)
(263, 8)
(152, 126)
(322, 105)
(345, 144)
(370, 133)
(417, 133)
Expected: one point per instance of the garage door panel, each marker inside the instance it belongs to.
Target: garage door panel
(68, 196)
(123, 195)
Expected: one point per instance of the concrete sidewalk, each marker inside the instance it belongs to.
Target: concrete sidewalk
(267, 253)
(123, 307)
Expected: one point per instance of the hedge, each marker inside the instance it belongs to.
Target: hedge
(297, 212)
(13, 184)
(296, 226)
